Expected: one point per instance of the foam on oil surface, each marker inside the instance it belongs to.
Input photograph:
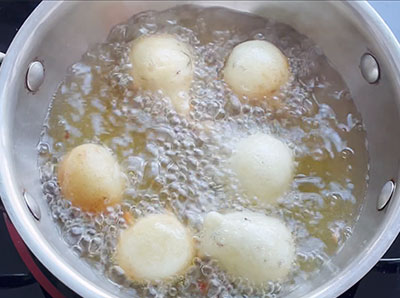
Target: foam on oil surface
(180, 164)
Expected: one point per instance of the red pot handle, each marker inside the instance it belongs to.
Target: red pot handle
(29, 262)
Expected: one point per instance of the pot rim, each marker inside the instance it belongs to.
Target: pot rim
(9, 190)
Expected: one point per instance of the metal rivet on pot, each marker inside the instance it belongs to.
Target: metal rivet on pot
(385, 195)
(34, 76)
(32, 205)
(370, 68)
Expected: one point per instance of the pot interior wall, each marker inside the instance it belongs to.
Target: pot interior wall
(63, 32)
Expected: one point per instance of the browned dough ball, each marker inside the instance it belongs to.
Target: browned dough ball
(91, 178)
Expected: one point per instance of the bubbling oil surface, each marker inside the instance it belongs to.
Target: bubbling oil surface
(180, 164)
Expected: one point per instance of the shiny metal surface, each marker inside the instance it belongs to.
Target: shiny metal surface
(385, 195)
(34, 76)
(369, 68)
(32, 205)
(60, 32)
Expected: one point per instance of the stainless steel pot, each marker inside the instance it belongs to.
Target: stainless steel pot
(57, 33)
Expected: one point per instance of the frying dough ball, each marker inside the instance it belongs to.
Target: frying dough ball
(264, 166)
(90, 177)
(249, 245)
(161, 62)
(157, 247)
(256, 69)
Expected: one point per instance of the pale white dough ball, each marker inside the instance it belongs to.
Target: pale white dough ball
(249, 245)
(161, 62)
(264, 166)
(90, 177)
(156, 247)
(256, 69)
